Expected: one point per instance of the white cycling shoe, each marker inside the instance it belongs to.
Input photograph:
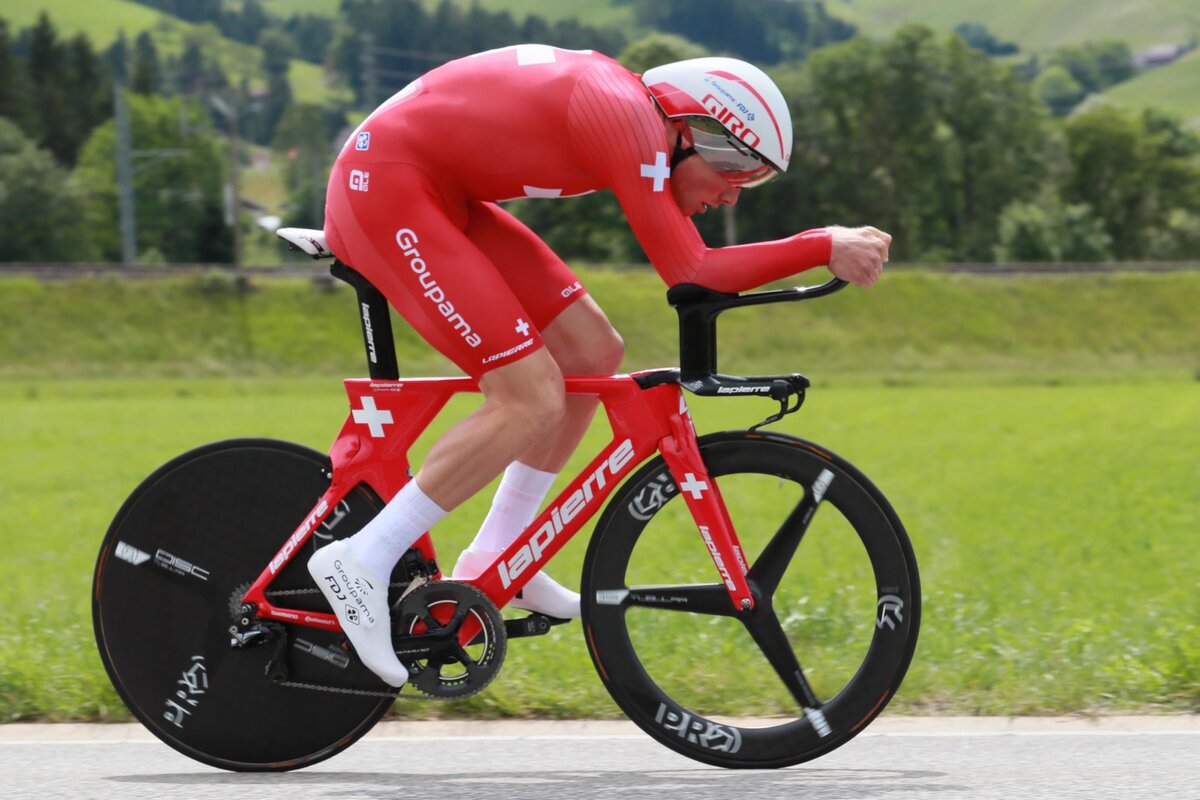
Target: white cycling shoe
(542, 595)
(360, 601)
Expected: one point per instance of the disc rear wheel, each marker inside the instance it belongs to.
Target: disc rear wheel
(167, 588)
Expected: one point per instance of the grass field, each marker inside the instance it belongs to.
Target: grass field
(912, 326)
(1037, 434)
(1054, 527)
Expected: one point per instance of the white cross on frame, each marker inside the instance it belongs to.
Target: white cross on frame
(659, 170)
(693, 486)
(372, 417)
(522, 327)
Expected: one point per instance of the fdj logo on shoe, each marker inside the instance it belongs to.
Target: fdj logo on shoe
(355, 593)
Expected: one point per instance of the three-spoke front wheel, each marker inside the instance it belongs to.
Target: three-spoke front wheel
(824, 649)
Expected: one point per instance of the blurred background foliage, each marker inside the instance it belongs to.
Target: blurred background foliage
(969, 137)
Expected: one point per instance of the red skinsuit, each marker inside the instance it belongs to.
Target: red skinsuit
(411, 200)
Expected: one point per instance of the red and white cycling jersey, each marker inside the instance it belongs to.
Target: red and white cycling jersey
(411, 200)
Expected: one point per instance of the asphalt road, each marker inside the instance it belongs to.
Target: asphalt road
(1056, 759)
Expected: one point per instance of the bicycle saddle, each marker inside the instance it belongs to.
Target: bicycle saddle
(306, 240)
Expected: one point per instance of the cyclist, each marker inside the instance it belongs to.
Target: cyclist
(412, 204)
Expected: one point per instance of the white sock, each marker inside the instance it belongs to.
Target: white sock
(521, 492)
(383, 540)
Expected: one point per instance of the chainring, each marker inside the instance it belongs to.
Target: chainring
(429, 619)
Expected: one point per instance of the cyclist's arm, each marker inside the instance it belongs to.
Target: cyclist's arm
(621, 138)
(745, 266)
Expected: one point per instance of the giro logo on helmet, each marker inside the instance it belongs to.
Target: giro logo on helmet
(732, 122)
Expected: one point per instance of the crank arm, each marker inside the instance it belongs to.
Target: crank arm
(533, 625)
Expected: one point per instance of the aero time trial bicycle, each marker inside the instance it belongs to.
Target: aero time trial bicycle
(709, 550)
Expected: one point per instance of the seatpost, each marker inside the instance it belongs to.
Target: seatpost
(376, 323)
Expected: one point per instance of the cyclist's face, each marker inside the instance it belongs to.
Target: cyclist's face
(698, 187)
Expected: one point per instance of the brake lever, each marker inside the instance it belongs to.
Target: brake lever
(784, 409)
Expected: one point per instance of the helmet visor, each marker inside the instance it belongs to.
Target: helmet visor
(732, 158)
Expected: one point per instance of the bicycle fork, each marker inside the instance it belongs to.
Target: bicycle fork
(703, 497)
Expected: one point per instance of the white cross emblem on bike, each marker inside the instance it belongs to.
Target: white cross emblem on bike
(692, 486)
(374, 418)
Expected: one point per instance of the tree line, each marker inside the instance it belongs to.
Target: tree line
(761, 31)
(960, 155)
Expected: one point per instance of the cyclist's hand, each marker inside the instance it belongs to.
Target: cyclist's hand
(857, 254)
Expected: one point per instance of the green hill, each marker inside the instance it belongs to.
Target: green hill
(1175, 87)
(103, 20)
(1036, 25)
(598, 12)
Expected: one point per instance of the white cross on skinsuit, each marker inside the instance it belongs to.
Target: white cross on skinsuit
(522, 327)
(372, 417)
(659, 170)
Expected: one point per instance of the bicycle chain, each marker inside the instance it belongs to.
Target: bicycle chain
(397, 695)
(409, 588)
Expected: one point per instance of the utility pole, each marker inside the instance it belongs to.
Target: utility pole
(729, 219)
(370, 74)
(234, 196)
(235, 179)
(124, 154)
(318, 189)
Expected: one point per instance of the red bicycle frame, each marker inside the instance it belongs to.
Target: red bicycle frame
(387, 416)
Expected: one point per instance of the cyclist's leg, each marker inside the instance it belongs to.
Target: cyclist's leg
(573, 327)
(407, 240)
(582, 341)
(412, 246)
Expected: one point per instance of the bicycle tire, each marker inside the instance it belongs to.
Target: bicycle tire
(169, 577)
(659, 662)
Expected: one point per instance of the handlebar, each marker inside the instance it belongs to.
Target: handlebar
(687, 296)
(698, 308)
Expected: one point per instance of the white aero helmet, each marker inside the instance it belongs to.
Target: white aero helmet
(736, 117)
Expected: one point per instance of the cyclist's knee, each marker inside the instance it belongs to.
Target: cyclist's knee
(608, 354)
(600, 356)
(583, 342)
(529, 393)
